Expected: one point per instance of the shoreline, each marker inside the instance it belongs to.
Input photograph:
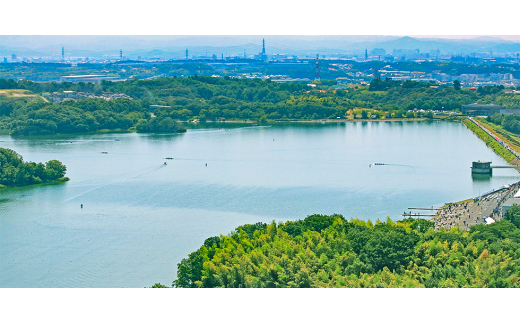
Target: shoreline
(107, 131)
(312, 120)
(60, 180)
(469, 212)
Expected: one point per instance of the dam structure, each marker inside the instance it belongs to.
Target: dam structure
(482, 167)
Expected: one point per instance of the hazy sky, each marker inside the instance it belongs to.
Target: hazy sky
(268, 17)
(505, 37)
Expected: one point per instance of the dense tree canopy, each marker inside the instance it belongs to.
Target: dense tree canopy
(15, 172)
(329, 251)
(509, 122)
(213, 98)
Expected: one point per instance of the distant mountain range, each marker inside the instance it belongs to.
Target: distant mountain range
(175, 46)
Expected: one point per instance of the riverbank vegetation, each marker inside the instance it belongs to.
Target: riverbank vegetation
(329, 251)
(15, 172)
(218, 99)
(498, 148)
(510, 138)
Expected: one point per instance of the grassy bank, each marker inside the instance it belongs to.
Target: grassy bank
(491, 142)
(511, 139)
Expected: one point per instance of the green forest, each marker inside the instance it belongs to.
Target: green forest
(330, 251)
(15, 172)
(508, 122)
(215, 98)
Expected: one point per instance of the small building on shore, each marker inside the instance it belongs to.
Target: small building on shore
(510, 111)
(476, 109)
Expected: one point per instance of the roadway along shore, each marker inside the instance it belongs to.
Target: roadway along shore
(495, 137)
(472, 212)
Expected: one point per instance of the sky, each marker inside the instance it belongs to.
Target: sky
(515, 38)
(268, 17)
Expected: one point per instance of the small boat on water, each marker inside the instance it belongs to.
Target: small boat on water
(165, 164)
(168, 158)
(377, 164)
(104, 152)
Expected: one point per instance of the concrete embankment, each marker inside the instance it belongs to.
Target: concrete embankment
(474, 211)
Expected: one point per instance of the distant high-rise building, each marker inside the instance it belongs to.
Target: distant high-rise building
(13, 57)
(5, 59)
(366, 54)
(120, 54)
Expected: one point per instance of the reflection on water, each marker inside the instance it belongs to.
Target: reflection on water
(141, 217)
(481, 177)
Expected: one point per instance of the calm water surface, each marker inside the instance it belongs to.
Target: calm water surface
(140, 218)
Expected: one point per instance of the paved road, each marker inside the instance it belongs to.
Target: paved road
(470, 213)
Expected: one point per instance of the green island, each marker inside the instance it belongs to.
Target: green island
(330, 251)
(15, 172)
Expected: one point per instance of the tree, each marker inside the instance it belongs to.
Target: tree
(54, 170)
(513, 215)
(456, 85)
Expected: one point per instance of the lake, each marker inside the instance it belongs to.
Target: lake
(141, 217)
